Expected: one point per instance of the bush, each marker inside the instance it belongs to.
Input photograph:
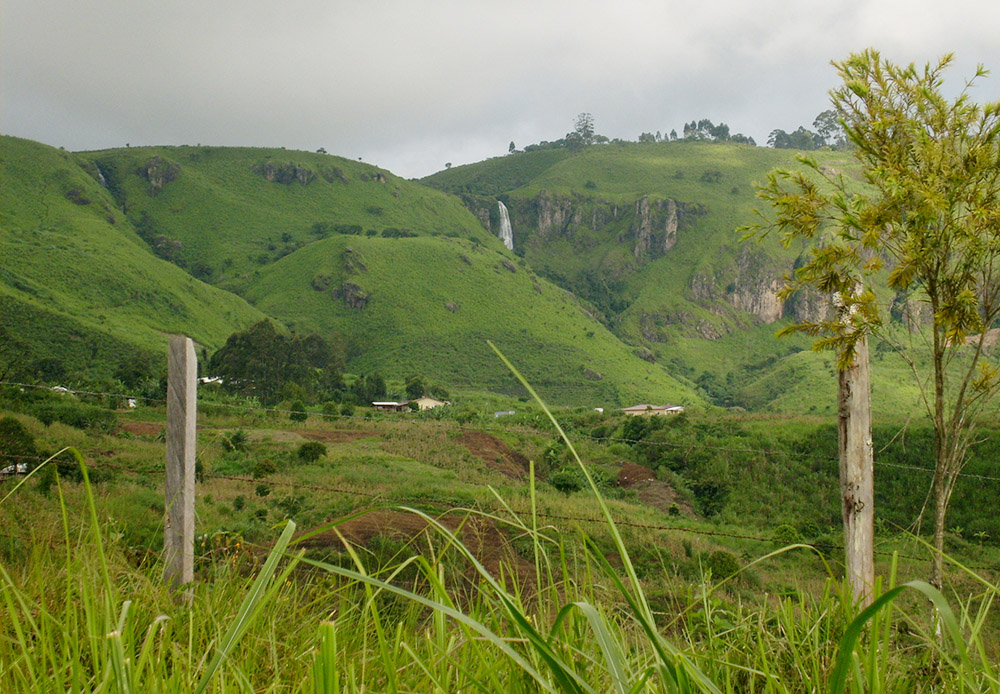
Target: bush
(263, 468)
(312, 451)
(298, 413)
(347, 409)
(722, 564)
(17, 445)
(237, 441)
(567, 480)
(75, 414)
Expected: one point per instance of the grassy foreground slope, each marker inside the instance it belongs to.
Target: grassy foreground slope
(428, 306)
(77, 285)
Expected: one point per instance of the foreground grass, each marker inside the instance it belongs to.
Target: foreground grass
(79, 611)
(77, 614)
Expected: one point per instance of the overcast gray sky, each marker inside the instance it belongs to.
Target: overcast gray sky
(412, 84)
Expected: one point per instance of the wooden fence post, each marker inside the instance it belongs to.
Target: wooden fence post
(182, 415)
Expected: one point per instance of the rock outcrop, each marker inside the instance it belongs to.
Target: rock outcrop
(158, 173)
(654, 227)
(285, 174)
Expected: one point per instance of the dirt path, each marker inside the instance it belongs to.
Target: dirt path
(649, 490)
(496, 454)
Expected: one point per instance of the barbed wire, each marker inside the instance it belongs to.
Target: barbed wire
(480, 428)
(483, 428)
(463, 504)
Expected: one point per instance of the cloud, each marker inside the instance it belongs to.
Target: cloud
(419, 83)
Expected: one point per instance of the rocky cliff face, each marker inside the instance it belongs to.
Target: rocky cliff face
(158, 173)
(654, 227)
(742, 280)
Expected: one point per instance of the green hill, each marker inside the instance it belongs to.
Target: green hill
(224, 213)
(79, 291)
(404, 274)
(629, 280)
(649, 235)
(428, 305)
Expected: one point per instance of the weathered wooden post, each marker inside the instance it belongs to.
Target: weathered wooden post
(182, 414)
(857, 493)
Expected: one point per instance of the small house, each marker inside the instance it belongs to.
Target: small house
(391, 406)
(652, 410)
(429, 403)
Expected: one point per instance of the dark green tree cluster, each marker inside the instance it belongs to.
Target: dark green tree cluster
(705, 130)
(828, 133)
(263, 363)
(369, 388)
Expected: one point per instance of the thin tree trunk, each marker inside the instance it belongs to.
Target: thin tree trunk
(940, 511)
(856, 477)
(941, 459)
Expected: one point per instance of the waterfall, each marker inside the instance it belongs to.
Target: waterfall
(100, 176)
(506, 233)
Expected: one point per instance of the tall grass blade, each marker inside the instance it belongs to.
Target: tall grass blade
(838, 679)
(250, 608)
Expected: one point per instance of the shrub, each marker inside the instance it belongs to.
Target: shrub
(236, 441)
(567, 480)
(347, 409)
(311, 451)
(722, 564)
(263, 468)
(298, 413)
(75, 414)
(17, 445)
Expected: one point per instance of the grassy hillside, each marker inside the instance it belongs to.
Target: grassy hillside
(649, 234)
(225, 213)
(428, 305)
(79, 290)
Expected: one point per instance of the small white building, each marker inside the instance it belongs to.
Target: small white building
(428, 403)
(652, 410)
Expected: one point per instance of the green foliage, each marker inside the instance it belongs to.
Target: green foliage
(415, 387)
(567, 480)
(924, 225)
(311, 451)
(261, 362)
(369, 388)
(236, 441)
(298, 412)
(722, 564)
(263, 468)
(17, 445)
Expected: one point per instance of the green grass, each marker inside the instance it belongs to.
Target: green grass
(83, 610)
(77, 284)
(433, 303)
(232, 221)
(699, 308)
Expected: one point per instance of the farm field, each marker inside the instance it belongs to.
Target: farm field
(422, 555)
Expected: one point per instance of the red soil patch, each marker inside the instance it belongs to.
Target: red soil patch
(480, 536)
(496, 454)
(143, 428)
(649, 490)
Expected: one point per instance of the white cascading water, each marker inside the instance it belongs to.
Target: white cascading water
(506, 233)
